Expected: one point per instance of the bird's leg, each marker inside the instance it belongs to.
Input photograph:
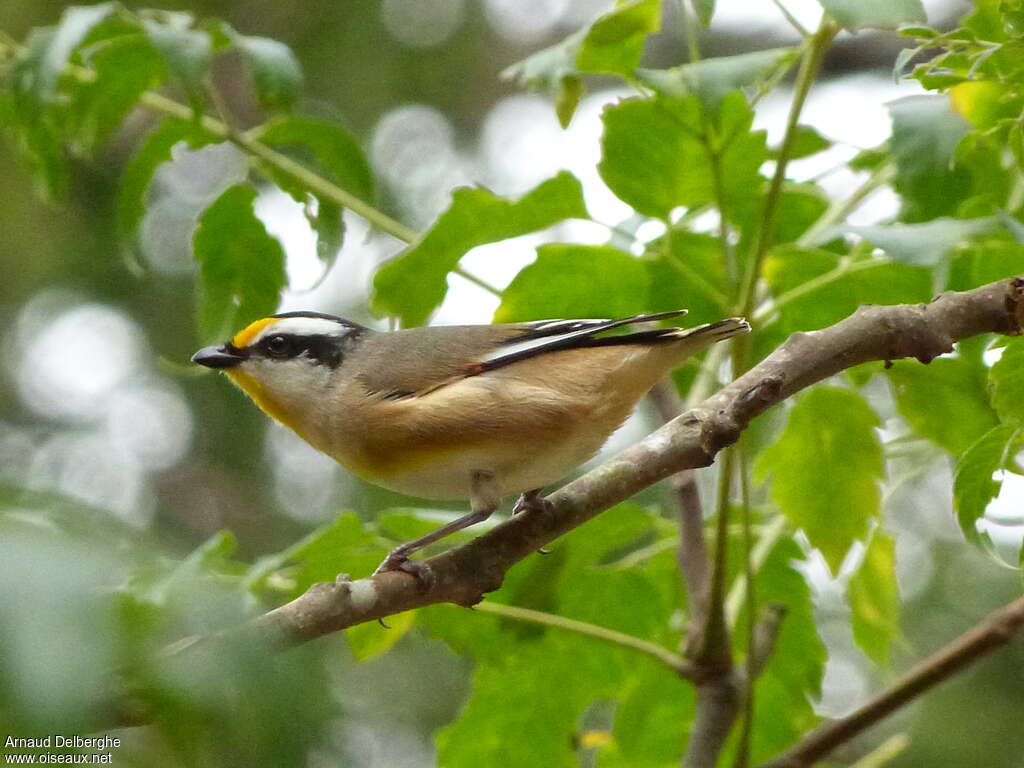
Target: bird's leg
(532, 501)
(484, 499)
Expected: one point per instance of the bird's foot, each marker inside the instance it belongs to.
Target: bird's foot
(532, 501)
(398, 560)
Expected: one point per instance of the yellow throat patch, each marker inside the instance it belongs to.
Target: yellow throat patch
(254, 389)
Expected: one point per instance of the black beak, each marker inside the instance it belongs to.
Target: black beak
(219, 357)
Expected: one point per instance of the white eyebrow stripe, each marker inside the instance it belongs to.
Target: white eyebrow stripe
(303, 326)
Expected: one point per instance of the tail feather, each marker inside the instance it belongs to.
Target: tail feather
(717, 331)
(707, 334)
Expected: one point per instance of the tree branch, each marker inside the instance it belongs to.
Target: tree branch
(995, 631)
(463, 575)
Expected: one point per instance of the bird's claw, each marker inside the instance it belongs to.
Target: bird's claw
(398, 560)
(532, 502)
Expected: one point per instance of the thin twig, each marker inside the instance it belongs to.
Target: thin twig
(479, 282)
(808, 72)
(838, 210)
(748, 577)
(674, 661)
(770, 535)
(692, 552)
(885, 752)
(996, 630)
(689, 32)
(845, 267)
(793, 21)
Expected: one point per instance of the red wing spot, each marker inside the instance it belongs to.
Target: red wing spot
(475, 368)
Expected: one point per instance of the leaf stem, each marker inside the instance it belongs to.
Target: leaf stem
(771, 533)
(711, 145)
(679, 264)
(674, 661)
(479, 282)
(690, 32)
(845, 267)
(793, 21)
(809, 65)
(840, 209)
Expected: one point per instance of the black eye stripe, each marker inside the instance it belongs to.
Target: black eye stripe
(319, 348)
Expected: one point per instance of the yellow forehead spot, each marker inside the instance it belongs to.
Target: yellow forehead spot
(244, 337)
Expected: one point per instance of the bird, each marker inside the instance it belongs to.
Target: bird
(470, 412)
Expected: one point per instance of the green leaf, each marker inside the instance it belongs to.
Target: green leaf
(553, 69)
(974, 484)
(276, 73)
(806, 142)
(33, 120)
(691, 276)
(212, 556)
(653, 715)
(612, 45)
(125, 69)
(918, 31)
(75, 24)
(924, 245)
(241, 267)
(985, 261)
(535, 721)
(926, 395)
(825, 469)
(576, 281)
(567, 97)
(875, 14)
(874, 599)
(792, 678)
(788, 269)
(187, 53)
(343, 545)
(370, 639)
(925, 134)
(138, 174)
(704, 9)
(711, 79)
(338, 156)
(800, 207)
(413, 284)
(870, 159)
(615, 42)
(530, 722)
(656, 154)
(334, 150)
(1007, 381)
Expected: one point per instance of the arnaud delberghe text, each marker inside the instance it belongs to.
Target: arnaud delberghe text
(57, 741)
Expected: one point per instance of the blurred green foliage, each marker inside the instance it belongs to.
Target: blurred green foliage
(96, 106)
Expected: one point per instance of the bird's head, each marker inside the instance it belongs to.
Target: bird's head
(283, 360)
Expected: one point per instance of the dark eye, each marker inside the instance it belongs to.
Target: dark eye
(278, 346)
